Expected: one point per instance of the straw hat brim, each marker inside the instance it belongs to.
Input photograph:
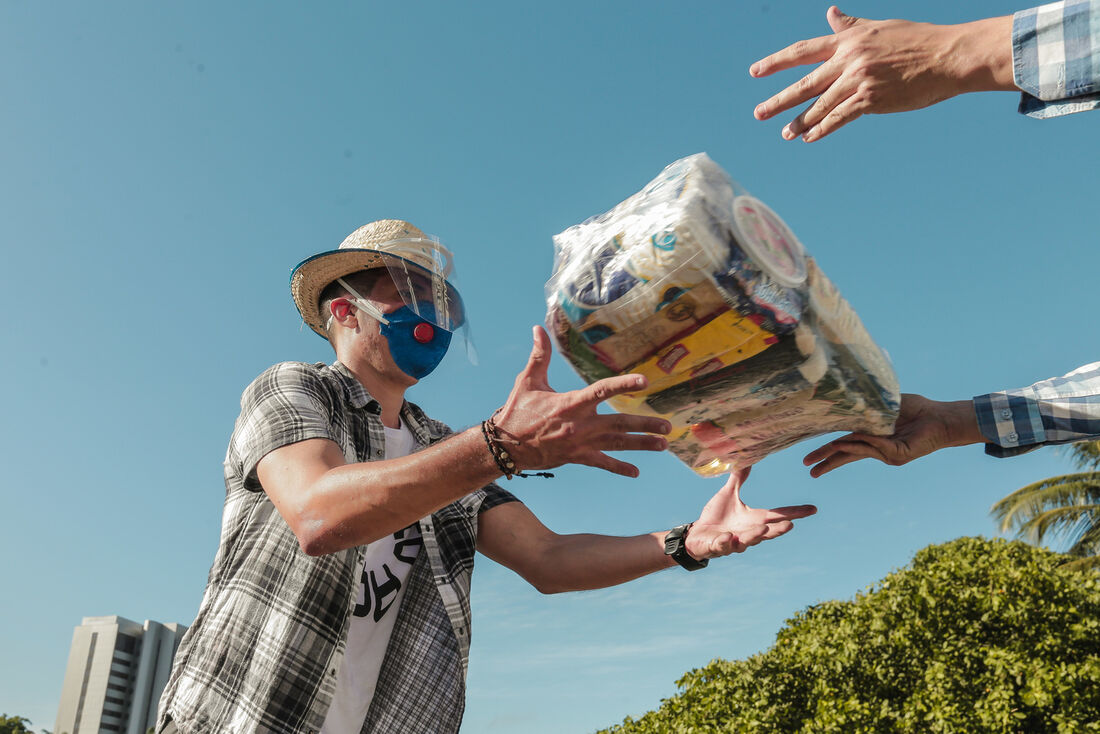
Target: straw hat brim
(310, 278)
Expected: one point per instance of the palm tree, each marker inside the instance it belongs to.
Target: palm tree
(1065, 508)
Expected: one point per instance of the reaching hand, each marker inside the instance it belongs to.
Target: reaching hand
(727, 525)
(923, 426)
(881, 66)
(552, 428)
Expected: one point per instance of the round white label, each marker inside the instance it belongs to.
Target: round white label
(770, 242)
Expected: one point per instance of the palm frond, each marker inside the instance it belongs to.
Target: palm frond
(1085, 454)
(1026, 503)
(1088, 541)
(1067, 524)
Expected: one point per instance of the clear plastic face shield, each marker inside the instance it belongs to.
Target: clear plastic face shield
(421, 272)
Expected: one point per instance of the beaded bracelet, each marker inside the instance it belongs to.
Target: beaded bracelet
(500, 454)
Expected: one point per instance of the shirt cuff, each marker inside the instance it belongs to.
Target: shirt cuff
(1053, 60)
(1010, 424)
(1038, 109)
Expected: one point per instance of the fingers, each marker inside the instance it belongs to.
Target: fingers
(839, 92)
(627, 442)
(625, 423)
(809, 51)
(791, 512)
(838, 21)
(609, 387)
(597, 445)
(832, 447)
(876, 447)
(846, 454)
(711, 541)
(603, 461)
(735, 480)
(725, 543)
(835, 107)
(834, 462)
(837, 118)
(775, 529)
(808, 87)
(536, 371)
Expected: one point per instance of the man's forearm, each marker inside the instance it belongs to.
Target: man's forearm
(511, 535)
(586, 561)
(345, 505)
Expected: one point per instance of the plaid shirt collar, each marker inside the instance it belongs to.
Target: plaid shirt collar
(354, 391)
(358, 397)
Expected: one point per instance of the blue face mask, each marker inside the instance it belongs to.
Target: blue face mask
(416, 345)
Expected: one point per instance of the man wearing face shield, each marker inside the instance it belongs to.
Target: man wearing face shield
(338, 600)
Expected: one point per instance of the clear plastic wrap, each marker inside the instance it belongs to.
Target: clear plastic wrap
(747, 346)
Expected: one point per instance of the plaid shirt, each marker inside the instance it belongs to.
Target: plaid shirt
(265, 647)
(1056, 57)
(1058, 410)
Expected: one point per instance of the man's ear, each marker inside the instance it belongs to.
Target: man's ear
(341, 310)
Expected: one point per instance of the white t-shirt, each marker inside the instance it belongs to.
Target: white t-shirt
(386, 567)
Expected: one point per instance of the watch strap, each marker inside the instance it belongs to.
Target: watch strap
(676, 548)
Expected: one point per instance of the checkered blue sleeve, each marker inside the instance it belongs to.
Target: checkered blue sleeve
(1059, 410)
(1056, 58)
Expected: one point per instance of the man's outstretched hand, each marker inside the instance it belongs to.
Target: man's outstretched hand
(551, 428)
(881, 66)
(923, 426)
(727, 525)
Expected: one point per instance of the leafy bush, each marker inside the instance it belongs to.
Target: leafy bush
(974, 636)
(14, 725)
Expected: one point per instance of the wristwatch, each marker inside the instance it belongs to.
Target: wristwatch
(674, 546)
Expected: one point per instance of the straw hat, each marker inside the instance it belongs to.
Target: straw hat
(375, 245)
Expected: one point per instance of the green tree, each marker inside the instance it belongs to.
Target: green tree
(14, 725)
(974, 636)
(1063, 509)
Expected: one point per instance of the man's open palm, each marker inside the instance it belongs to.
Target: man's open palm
(727, 525)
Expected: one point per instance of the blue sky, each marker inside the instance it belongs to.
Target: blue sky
(164, 166)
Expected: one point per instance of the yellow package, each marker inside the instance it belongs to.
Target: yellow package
(727, 339)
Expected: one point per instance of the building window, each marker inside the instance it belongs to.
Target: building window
(125, 643)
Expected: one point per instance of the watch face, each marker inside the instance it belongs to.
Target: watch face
(674, 546)
(674, 540)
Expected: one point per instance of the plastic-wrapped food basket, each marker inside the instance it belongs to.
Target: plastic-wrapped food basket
(747, 346)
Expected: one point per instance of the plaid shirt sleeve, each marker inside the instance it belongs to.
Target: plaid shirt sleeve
(1056, 58)
(1059, 410)
(288, 403)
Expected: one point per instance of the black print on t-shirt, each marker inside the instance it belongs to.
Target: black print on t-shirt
(378, 592)
(405, 549)
(380, 596)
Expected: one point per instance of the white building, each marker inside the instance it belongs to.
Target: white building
(117, 670)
